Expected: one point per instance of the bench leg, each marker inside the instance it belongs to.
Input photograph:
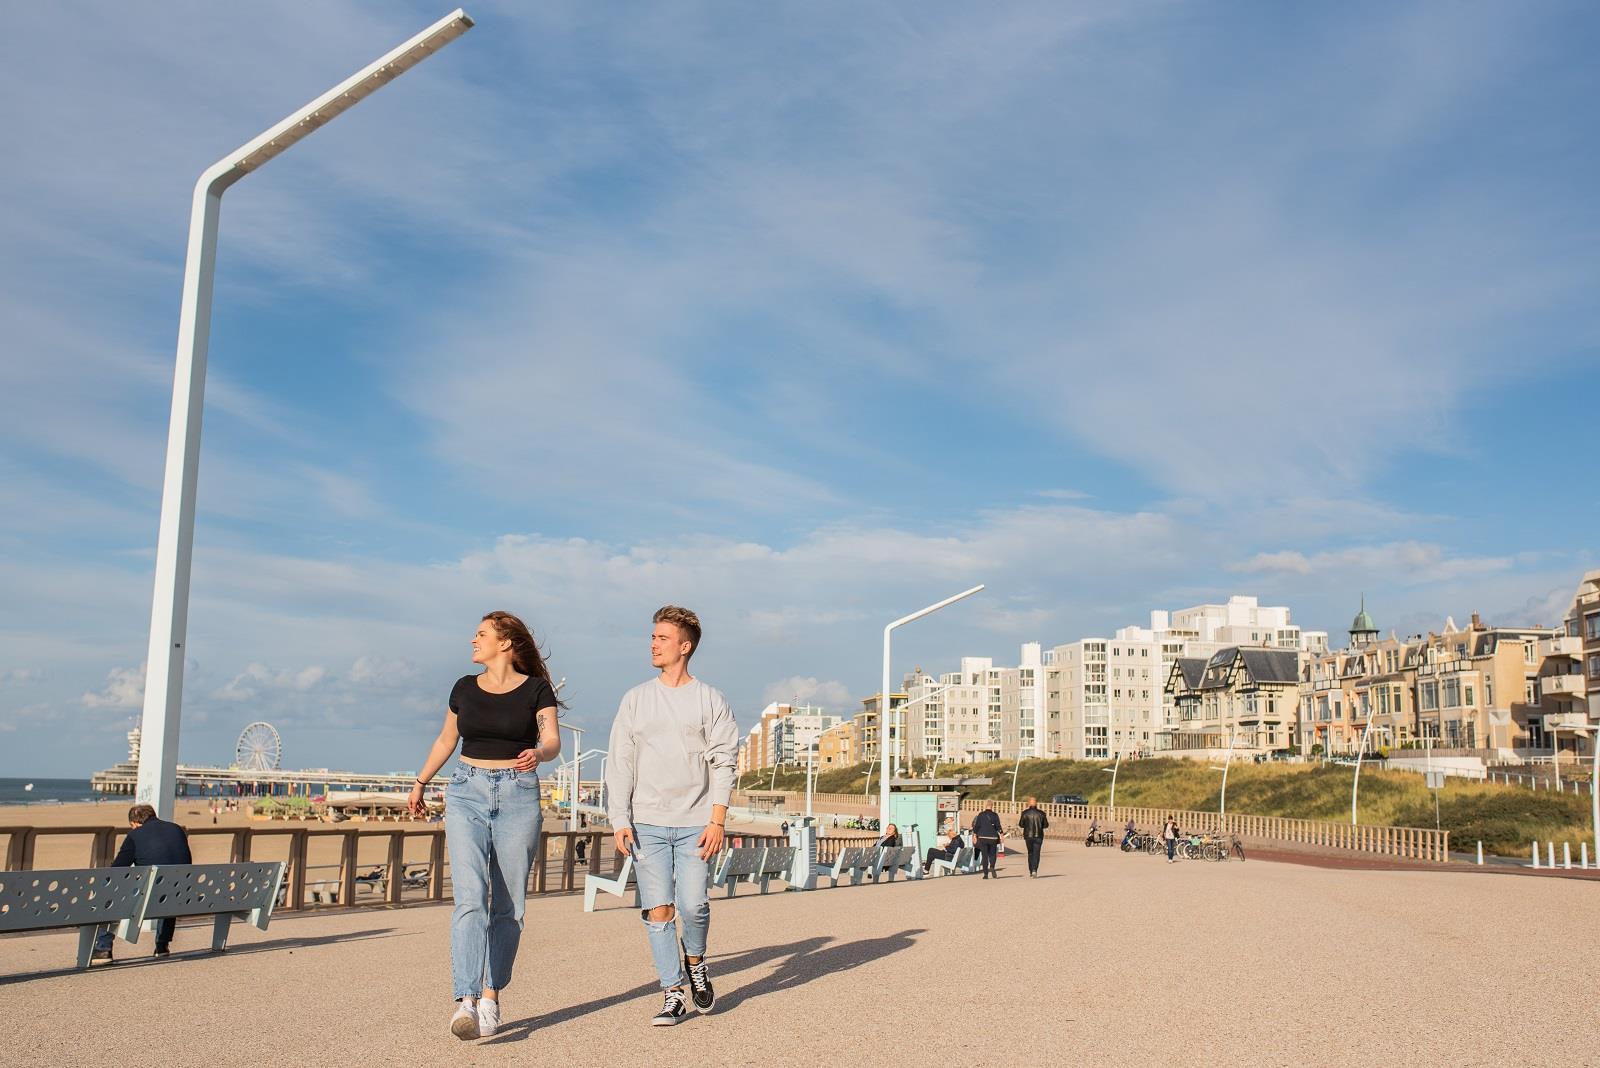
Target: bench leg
(219, 932)
(85, 944)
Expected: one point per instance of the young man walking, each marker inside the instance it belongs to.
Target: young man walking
(1033, 822)
(669, 773)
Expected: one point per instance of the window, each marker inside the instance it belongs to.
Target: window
(1591, 626)
(1450, 692)
(1469, 701)
(1428, 696)
(1594, 665)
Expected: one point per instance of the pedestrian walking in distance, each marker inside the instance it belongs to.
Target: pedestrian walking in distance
(1169, 834)
(1033, 822)
(986, 829)
(505, 721)
(669, 774)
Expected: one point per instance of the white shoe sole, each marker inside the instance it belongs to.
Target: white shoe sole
(666, 1021)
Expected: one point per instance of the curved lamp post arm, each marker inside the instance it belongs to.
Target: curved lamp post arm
(169, 613)
(886, 717)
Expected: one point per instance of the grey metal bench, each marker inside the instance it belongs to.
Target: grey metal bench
(741, 863)
(777, 863)
(960, 864)
(852, 861)
(225, 892)
(895, 860)
(87, 898)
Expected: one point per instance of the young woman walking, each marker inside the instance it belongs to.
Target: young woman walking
(505, 720)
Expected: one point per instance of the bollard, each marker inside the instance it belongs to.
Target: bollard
(1536, 854)
(1480, 854)
(1549, 854)
(1566, 855)
(1583, 855)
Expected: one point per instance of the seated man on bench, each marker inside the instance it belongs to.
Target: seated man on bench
(150, 841)
(949, 843)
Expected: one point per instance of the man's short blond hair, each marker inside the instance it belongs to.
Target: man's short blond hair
(685, 620)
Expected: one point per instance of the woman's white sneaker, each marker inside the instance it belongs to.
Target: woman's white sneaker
(488, 1017)
(464, 1024)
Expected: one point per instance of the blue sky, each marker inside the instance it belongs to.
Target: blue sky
(803, 316)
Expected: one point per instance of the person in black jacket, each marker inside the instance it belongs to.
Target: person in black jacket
(1033, 822)
(986, 829)
(150, 841)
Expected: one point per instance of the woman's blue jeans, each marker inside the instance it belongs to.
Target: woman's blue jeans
(670, 872)
(491, 825)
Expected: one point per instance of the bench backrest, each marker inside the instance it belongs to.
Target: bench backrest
(37, 900)
(963, 858)
(742, 862)
(850, 857)
(900, 856)
(778, 860)
(208, 889)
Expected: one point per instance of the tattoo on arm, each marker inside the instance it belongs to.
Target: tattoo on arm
(548, 731)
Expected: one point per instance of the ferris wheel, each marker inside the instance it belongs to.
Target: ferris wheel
(259, 748)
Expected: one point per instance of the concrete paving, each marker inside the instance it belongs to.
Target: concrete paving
(1109, 959)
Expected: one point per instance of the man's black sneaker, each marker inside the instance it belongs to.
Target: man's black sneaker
(700, 989)
(672, 1009)
(163, 951)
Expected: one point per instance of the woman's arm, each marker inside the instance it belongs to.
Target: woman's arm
(549, 746)
(438, 755)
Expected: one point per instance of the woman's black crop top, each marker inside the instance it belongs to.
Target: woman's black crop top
(498, 726)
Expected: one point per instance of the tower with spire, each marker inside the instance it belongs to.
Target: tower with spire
(1363, 631)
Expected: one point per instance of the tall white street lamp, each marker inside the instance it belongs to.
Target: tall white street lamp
(169, 614)
(577, 776)
(1222, 806)
(1113, 770)
(1355, 784)
(886, 713)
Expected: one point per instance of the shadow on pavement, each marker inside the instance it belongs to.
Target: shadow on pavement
(145, 959)
(807, 959)
(806, 964)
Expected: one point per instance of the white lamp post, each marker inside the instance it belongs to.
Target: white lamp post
(886, 714)
(1222, 807)
(169, 614)
(1113, 770)
(577, 777)
(1355, 783)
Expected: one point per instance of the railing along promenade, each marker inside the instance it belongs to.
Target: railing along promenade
(1407, 843)
(420, 873)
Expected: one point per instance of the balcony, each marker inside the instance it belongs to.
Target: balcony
(1565, 645)
(1561, 685)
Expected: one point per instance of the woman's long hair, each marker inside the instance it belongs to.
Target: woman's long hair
(525, 655)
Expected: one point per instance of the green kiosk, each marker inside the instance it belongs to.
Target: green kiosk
(919, 807)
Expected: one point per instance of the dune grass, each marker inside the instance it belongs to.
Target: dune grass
(1505, 818)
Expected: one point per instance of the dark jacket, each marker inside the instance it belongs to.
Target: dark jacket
(987, 825)
(1033, 822)
(154, 841)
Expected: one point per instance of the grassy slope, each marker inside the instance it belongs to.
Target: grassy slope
(1505, 818)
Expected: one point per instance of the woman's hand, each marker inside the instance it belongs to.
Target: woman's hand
(527, 760)
(414, 802)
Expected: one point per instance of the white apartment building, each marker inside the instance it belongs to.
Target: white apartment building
(1022, 705)
(1105, 696)
(954, 717)
(794, 729)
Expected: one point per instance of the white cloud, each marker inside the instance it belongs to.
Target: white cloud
(1403, 563)
(796, 689)
(124, 689)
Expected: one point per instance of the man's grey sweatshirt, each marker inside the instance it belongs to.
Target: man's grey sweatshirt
(672, 755)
